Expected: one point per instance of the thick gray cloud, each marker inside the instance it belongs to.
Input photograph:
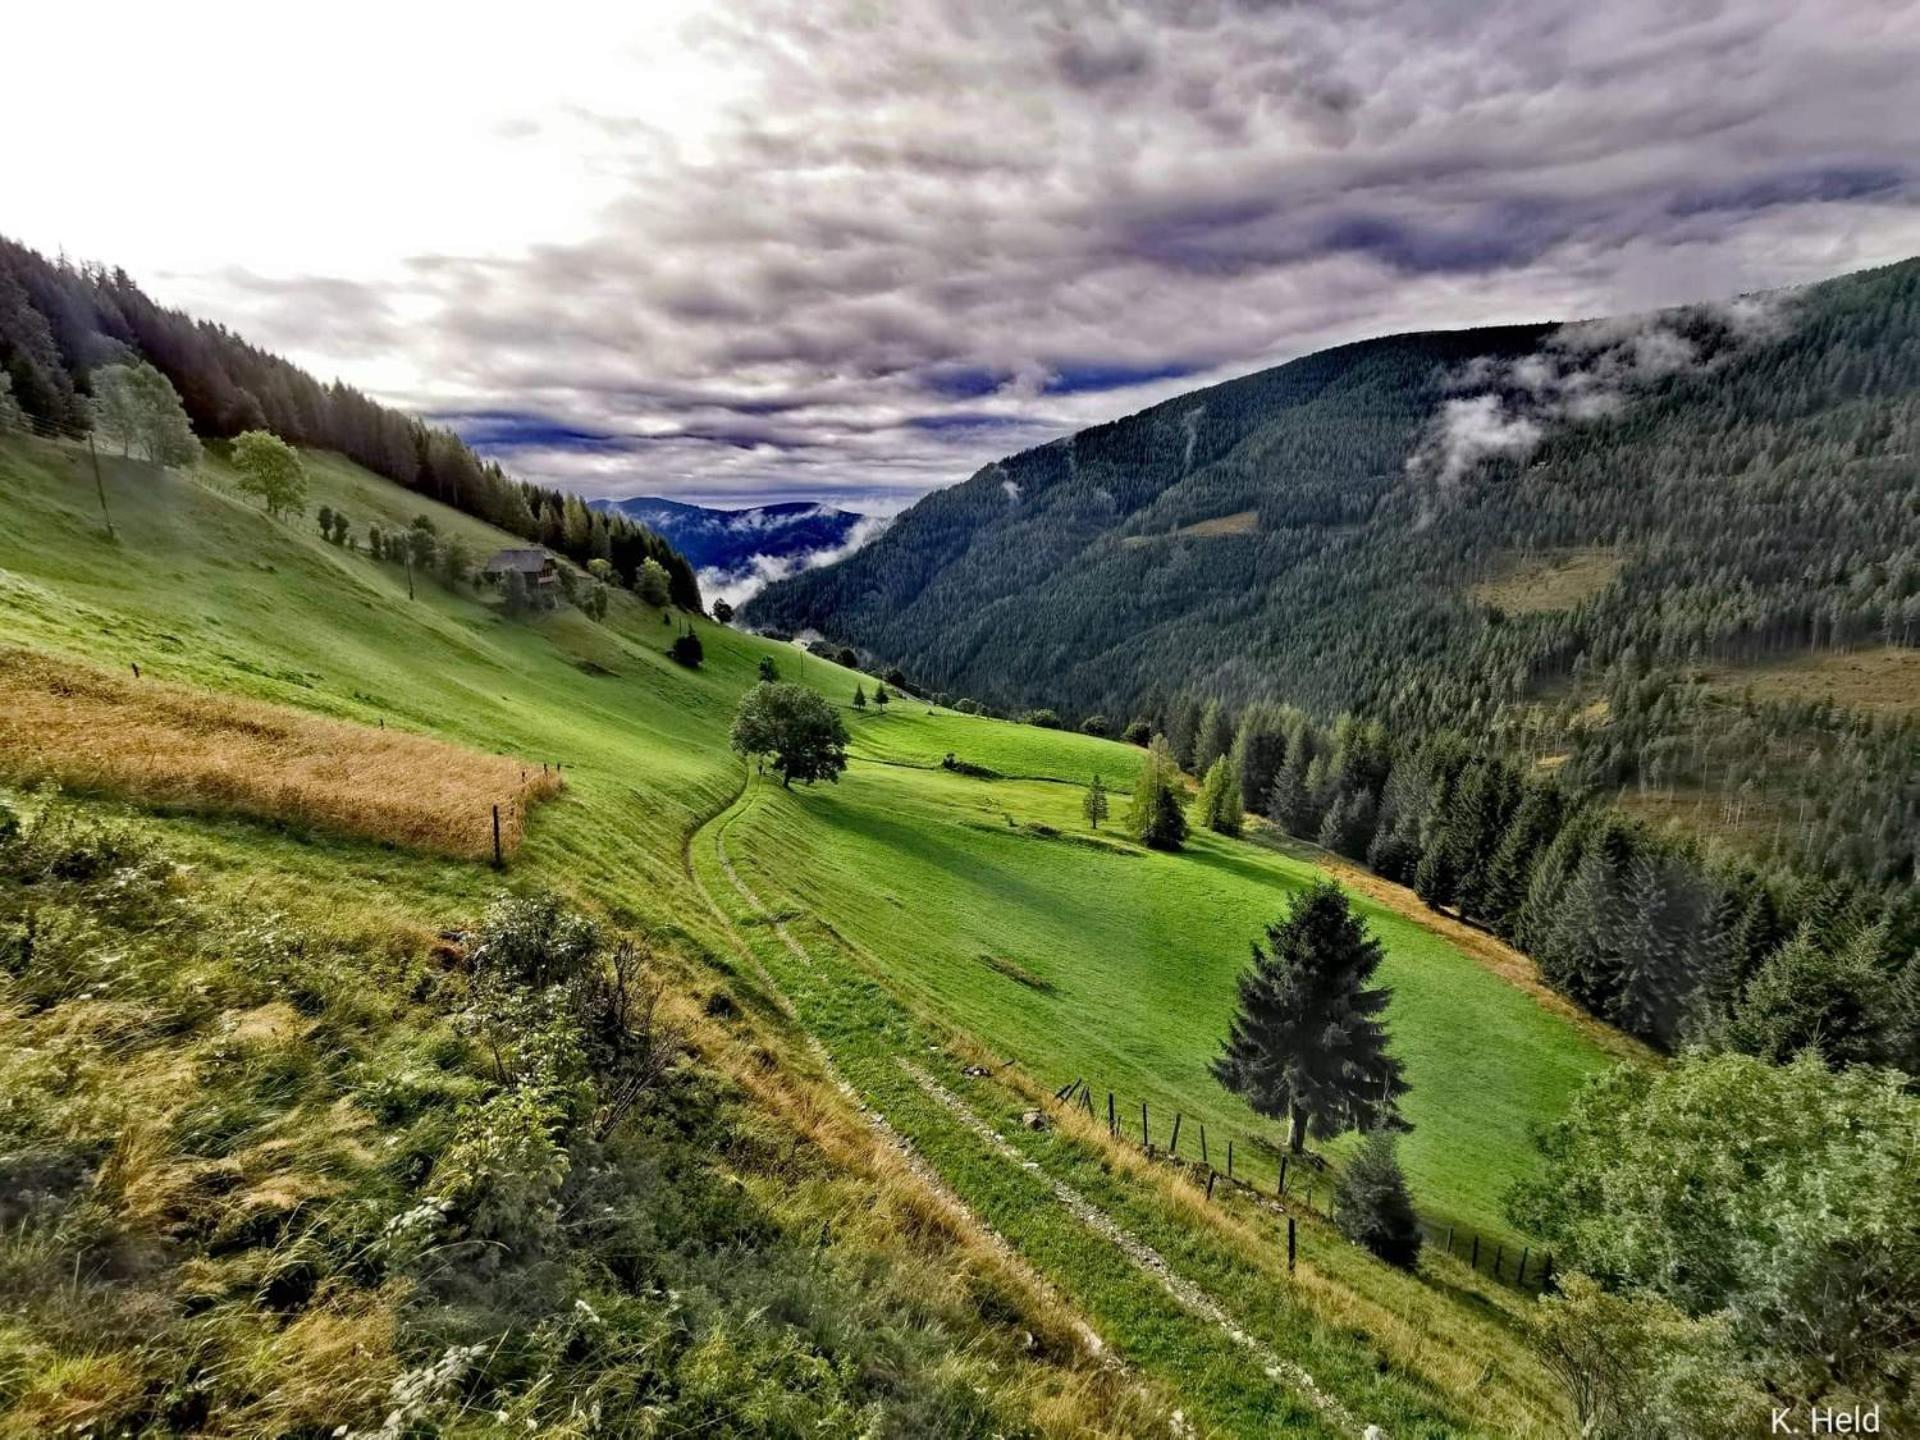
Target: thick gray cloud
(928, 234)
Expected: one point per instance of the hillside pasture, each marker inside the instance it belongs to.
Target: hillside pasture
(159, 743)
(991, 905)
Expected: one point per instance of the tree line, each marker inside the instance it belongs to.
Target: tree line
(64, 329)
(1670, 940)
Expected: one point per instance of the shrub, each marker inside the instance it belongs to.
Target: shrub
(1043, 719)
(1372, 1205)
(1138, 732)
(965, 706)
(534, 941)
(1096, 725)
(688, 650)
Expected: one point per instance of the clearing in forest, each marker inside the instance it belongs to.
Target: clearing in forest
(1547, 580)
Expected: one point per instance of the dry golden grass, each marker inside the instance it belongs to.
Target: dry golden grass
(170, 744)
(1241, 522)
(1884, 680)
(1550, 580)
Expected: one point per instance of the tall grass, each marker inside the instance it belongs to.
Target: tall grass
(157, 742)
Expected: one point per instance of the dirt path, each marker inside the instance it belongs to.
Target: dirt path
(1189, 1295)
(1184, 1292)
(916, 1163)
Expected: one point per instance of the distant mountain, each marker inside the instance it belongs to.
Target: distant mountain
(739, 551)
(1581, 542)
(1738, 479)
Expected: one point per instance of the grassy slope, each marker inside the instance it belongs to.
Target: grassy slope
(1138, 953)
(204, 589)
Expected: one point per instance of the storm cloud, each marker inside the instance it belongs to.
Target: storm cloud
(918, 236)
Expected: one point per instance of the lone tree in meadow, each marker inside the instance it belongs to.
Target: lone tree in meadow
(795, 728)
(1155, 818)
(769, 671)
(723, 612)
(1306, 1043)
(882, 697)
(687, 649)
(651, 583)
(1094, 807)
(859, 697)
(271, 469)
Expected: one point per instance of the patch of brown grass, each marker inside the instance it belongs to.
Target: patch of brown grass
(1547, 581)
(171, 744)
(1884, 680)
(1241, 522)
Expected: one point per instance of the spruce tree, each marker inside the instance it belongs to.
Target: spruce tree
(1371, 1203)
(1259, 750)
(859, 697)
(1524, 841)
(1214, 738)
(1307, 1043)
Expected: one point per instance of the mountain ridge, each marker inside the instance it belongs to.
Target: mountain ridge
(737, 551)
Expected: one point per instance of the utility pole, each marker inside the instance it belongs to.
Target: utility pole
(100, 485)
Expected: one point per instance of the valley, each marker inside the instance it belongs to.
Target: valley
(867, 907)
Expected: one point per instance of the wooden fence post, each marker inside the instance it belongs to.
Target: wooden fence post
(1522, 1277)
(1146, 1137)
(1498, 1251)
(1212, 1175)
(1173, 1145)
(1449, 1240)
(1475, 1262)
(1290, 1244)
(497, 861)
(1282, 1187)
(1229, 1157)
(1113, 1125)
(1203, 1145)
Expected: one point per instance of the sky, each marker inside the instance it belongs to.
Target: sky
(848, 251)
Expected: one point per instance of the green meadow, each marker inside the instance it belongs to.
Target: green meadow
(982, 908)
(988, 902)
(994, 905)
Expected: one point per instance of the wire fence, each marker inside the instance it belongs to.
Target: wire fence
(1256, 1167)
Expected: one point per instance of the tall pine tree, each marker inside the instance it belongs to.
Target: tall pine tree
(1307, 1043)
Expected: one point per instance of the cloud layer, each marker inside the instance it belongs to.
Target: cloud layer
(903, 240)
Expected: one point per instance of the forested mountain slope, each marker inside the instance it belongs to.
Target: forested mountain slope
(1449, 530)
(1751, 469)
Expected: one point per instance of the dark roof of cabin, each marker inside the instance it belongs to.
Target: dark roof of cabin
(527, 562)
